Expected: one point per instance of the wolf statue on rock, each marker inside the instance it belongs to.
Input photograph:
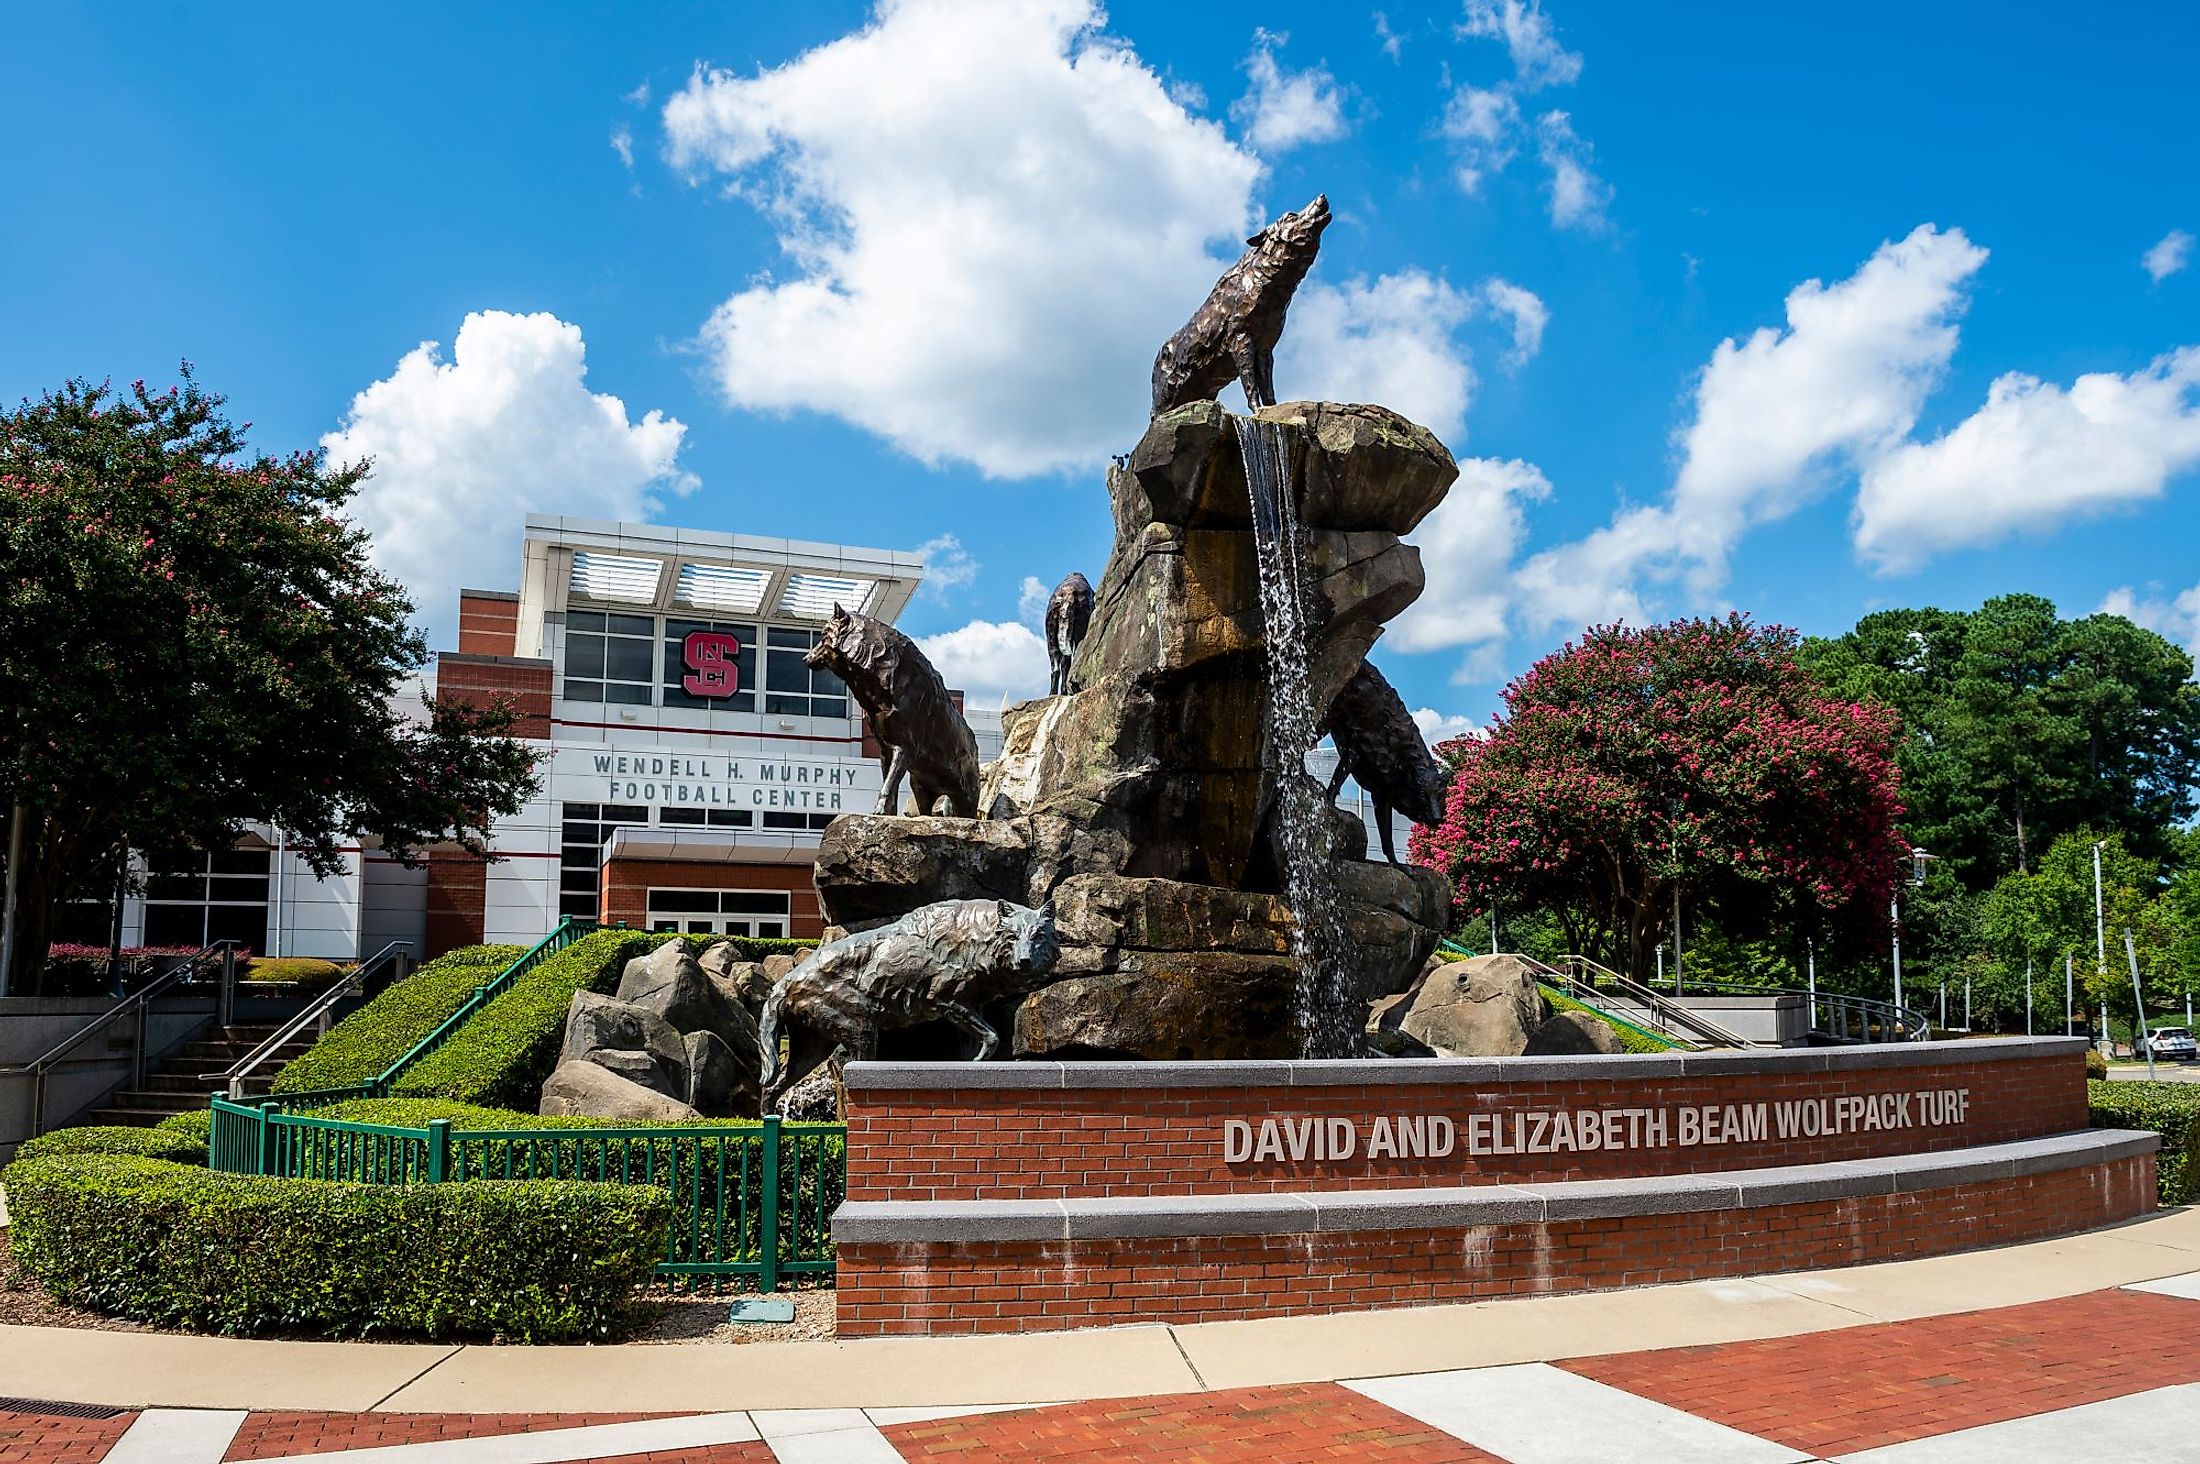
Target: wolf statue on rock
(909, 710)
(1233, 335)
(1380, 748)
(943, 962)
(1069, 615)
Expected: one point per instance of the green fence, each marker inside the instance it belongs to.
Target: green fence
(569, 930)
(749, 1200)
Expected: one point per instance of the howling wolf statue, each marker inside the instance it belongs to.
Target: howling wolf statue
(941, 962)
(1379, 748)
(1069, 613)
(1234, 334)
(910, 712)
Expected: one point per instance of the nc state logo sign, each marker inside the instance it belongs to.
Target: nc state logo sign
(712, 670)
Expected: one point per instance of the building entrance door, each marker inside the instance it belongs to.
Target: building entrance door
(720, 912)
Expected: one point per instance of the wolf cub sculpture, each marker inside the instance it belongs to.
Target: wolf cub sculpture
(910, 712)
(1234, 334)
(1069, 615)
(1379, 747)
(939, 962)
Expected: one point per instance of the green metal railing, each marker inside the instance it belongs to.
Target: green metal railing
(569, 930)
(751, 1200)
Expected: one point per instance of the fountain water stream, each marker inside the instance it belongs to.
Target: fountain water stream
(1324, 1006)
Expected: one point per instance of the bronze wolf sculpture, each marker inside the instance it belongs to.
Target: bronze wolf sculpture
(910, 712)
(939, 962)
(1234, 334)
(1379, 748)
(1069, 614)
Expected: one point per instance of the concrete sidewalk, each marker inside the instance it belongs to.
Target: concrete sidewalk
(127, 1369)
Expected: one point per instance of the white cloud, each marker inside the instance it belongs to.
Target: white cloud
(622, 143)
(1482, 121)
(1841, 384)
(1031, 602)
(1393, 45)
(2178, 618)
(1286, 109)
(2033, 456)
(1525, 313)
(464, 448)
(1467, 547)
(1578, 195)
(1444, 726)
(2171, 254)
(1529, 37)
(947, 565)
(994, 213)
(990, 661)
(1391, 341)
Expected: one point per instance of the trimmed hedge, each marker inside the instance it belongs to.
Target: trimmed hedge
(175, 1144)
(418, 1112)
(364, 1044)
(501, 1056)
(757, 947)
(2096, 1066)
(302, 970)
(197, 1124)
(2169, 1109)
(1630, 1040)
(159, 1242)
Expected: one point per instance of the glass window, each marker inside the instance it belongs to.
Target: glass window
(208, 897)
(610, 658)
(751, 912)
(584, 829)
(798, 820)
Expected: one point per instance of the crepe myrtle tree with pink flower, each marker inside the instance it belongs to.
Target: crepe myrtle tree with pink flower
(192, 637)
(1697, 755)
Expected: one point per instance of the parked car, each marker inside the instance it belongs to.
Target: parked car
(2168, 1044)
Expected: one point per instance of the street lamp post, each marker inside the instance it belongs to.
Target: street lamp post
(2100, 930)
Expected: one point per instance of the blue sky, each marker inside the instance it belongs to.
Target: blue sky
(894, 276)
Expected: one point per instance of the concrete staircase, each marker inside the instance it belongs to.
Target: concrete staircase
(174, 1086)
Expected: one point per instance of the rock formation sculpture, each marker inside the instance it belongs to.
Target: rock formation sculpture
(1069, 614)
(943, 961)
(1233, 335)
(906, 703)
(676, 1040)
(1380, 748)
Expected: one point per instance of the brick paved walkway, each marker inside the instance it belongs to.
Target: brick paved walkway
(2103, 1375)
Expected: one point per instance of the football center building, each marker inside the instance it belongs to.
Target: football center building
(688, 758)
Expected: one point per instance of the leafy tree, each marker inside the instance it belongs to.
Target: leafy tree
(192, 638)
(1698, 756)
(2020, 726)
(2048, 913)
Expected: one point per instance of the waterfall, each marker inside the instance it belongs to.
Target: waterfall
(1325, 1005)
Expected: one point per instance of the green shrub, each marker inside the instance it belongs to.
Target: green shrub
(501, 1055)
(2096, 1066)
(1631, 1039)
(156, 1143)
(2169, 1109)
(196, 1124)
(304, 970)
(757, 947)
(364, 1044)
(541, 1261)
(418, 1112)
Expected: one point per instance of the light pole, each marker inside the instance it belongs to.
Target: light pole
(2100, 931)
(1918, 858)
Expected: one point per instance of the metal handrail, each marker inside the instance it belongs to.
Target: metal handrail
(316, 1014)
(1911, 1024)
(135, 1004)
(1670, 1013)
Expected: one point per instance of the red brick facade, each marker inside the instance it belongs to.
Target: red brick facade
(1024, 1286)
(488, 622)
(458, 900)
(951, 1143)
(478, 680)
(627, 882)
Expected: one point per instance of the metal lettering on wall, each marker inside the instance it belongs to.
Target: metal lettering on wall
(814, 785)
(1587, 1130)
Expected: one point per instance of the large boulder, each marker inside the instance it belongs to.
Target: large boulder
(1484, 1006)
(1168, 1006)
(671, 982)
(736, 977)
(721, 1081)
(629, 1040)
(1164, 914)
(1572, 1034)
(586, 1090)
(874, 868)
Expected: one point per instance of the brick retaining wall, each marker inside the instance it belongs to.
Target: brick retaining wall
(1050, 1130)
